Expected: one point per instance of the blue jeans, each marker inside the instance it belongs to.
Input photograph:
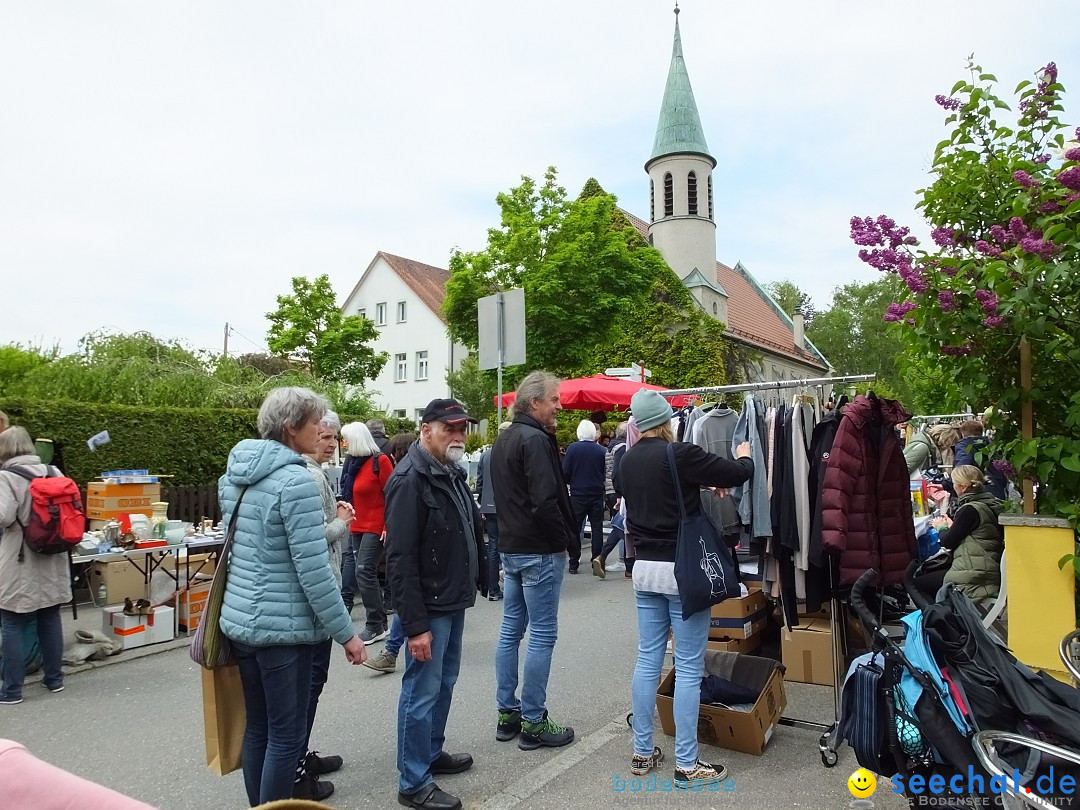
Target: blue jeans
(277, 690)
(427, 687)
(396, 638)
(50, 638)
(492, 555)
(348, 574)
(531, 586)
(320, 671)
(368, 548)
(656, 613)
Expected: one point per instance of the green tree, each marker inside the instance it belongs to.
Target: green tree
(16, 362)
(791, 299)
(1001, 279)
(472, 387)
(591, 283)
(308, 327)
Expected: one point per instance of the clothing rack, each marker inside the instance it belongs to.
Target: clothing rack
(967, 415)
(768, 386)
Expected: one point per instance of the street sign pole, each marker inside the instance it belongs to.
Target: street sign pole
(501, 333)
(499, 315)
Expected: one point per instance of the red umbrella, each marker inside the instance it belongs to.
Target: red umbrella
(601, 393)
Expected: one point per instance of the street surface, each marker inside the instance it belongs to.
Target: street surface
(136, 726)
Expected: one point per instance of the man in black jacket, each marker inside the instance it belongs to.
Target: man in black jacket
(535, 530)
(434, 554)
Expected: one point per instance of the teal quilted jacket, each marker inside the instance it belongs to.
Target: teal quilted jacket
(280, 588)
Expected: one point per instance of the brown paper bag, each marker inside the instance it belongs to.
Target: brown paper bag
(224, 718)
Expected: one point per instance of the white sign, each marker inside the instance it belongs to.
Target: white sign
(94, 442)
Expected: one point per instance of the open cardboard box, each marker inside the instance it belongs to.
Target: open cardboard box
(739, 617)
(735, 645)
(748, 732)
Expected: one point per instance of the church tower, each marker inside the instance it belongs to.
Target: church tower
(681, 224)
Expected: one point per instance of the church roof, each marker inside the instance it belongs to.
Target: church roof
(753, 317)
(698, 279)
(679, 129)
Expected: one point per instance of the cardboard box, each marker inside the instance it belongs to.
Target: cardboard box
(739, 617)
(807, 652)
(200, 564)
(105, 501)
(736, 645)
(748, 732)
(138, 631)
(192, 604)
(122, 580)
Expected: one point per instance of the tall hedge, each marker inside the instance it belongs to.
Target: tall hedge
(191, 444)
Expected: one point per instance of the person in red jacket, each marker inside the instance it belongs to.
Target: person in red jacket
(368, 525)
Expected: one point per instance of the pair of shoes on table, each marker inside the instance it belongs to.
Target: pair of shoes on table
(369, 636)
(383, 662)
(139, 608)
(429, 797)
(546, 733)
(598, 568)
(701, 775)
(508, 725)
(641, 765)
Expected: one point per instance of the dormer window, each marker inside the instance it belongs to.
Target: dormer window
(691, 192)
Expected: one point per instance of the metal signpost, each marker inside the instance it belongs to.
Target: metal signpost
(501, 321)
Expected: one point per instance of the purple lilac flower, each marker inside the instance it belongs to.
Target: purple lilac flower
(1050, 207)
(1004, 467)
(1050, 73)
(951, 104)
(1070, 178)
(956, 351)
(1017, 229)
(1025, 179)
(1077, 133)
(1034, 243)
(994, 322)
(947, 300)
(987, 300)
(1043, 158)
(1073, 154)
(987, 249)
(999, 234)
(943, 237)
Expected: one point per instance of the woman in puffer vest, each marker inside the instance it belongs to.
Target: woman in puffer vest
(975, 538)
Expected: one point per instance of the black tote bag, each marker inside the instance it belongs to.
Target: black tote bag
(704, 569)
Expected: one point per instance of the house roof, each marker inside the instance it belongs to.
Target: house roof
(679, 129)
(427, 281)
(753, 317)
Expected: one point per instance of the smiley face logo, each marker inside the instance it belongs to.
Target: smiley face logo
(862, 784)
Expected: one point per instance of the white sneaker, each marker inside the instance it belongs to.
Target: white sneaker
(701, 775)
(616, 567)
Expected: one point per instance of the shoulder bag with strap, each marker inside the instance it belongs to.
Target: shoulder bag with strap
(704, 569)
(210, 648)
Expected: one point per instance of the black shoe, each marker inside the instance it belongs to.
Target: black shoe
(509, 725)
(573, 569)
(311, 788)
(546, 733)
(494, 597)
(321, 765)
(451, 763)
(429, 797)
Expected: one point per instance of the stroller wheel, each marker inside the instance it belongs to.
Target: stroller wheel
(829, 758)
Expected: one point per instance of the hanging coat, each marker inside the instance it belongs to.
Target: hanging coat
(866, 515)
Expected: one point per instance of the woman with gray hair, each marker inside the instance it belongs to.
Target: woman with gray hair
(33, 586)
(280, 596)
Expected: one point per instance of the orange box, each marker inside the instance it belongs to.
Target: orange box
(193, 604)
(104, 501)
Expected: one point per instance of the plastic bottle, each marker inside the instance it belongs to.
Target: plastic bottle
(102, 594)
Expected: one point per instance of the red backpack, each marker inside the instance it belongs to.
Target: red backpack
(57, 521)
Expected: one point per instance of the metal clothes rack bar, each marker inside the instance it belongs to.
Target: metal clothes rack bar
(768, 386)
(969, 415)
(827, 742)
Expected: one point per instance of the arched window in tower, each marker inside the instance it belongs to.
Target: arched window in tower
(652, 200)
(710, 197)
(669, 196)
(691, 192)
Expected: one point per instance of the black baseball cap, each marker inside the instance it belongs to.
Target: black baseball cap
(446, 410)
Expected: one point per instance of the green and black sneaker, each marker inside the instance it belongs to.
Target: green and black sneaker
(546, 733)
(509, 725)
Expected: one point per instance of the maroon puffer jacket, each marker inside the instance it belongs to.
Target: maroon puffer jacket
(866, 513)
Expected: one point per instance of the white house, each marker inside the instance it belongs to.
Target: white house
(402, 298)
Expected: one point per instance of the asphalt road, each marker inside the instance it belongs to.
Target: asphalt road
(137, 727)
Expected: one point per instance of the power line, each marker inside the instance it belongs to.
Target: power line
(233, 330)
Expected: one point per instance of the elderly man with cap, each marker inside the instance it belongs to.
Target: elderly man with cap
(434, 554)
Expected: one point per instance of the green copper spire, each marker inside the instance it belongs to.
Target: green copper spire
(679, 128)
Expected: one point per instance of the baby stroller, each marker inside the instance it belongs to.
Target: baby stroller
(952, 708)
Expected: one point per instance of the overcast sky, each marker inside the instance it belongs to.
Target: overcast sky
(170, 166)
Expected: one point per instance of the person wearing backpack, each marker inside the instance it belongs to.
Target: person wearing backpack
(32, 583)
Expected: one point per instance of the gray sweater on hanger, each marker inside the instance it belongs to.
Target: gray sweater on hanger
(713, 432)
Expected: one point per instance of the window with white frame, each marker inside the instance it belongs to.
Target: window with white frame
(421, 365)
(401, 312)
(362, 312)
(418, 415)
(399, 413)
(401, 362)
(380, 314)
